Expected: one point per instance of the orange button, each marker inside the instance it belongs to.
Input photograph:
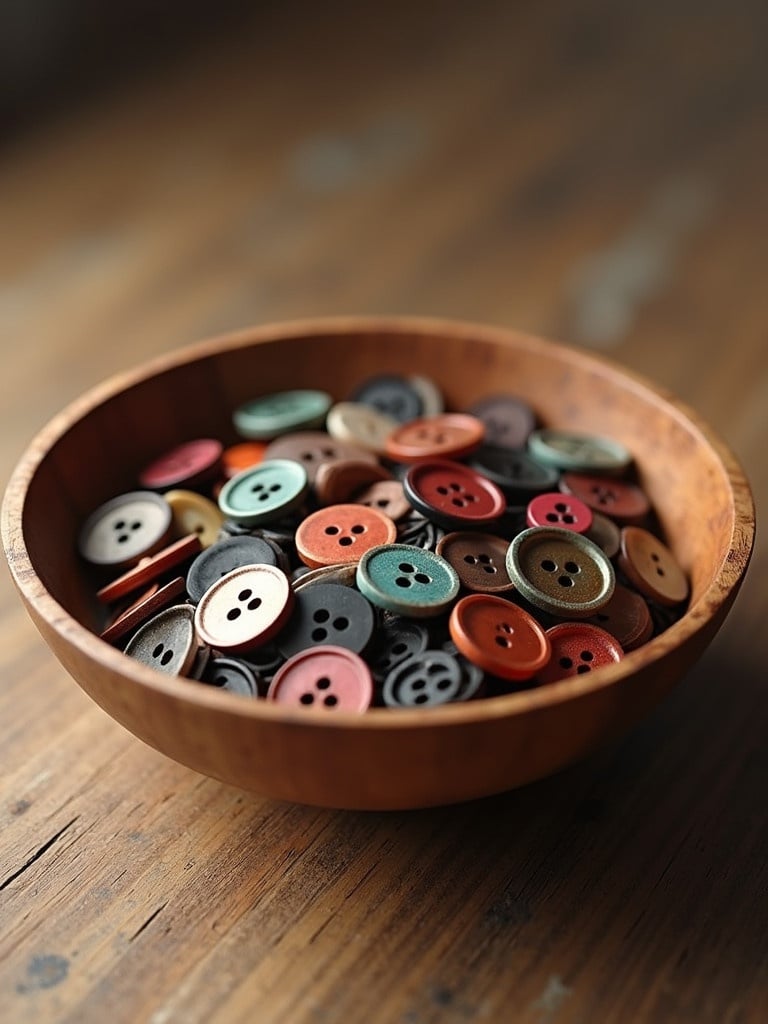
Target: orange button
(342, 533)
(449, 436)
(498, 636)
(325, 678)
(242, 456)
(244, 609)
(651, 567)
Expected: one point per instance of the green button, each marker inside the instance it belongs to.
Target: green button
(272, 415)
(265, 492)
(564, 449)
(407, 580)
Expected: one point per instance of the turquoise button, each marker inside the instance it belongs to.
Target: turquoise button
(407, 580)
(583, 453)
(272, 415)
(265, 492)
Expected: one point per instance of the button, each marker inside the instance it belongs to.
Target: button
(579, 452)
(272, 415)
(327, 614)
(407, 580)
(192, 513)
(472, 676)
(223, 557)
(479, 559)
(265, 493)
(426, 680)
(385, 495)
(620, 500)
(244, 609)
(626, 617)
(397, 640)
(186, 465)
(232, 675)
(560, 572)
(453, 494)
(342, 533)
(448, 436)
(325, 678)
(343, 574)
(150, 603)
(360, 425)
(313, 448)
(562, 510)
(150, 569)
(432, 401)
(336, 482)
(578, 648)
(392, 395)
(265, 662)
(124, 529)
(651, 567)
(167, 642)
(508, 420)
(242, 456)
(516, 473)
(419, 532)
(605, 533)
(498, 636)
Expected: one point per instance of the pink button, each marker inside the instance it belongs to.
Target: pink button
(183, 466)
(563, 510)
(326, 678)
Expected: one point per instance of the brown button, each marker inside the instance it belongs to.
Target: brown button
(448, 436)
(651, 567)
(314, 447)
(125, 529)
(167, 642)
(618, 499)
(498, 636)
(605, 533)
(245, 608)
(626, 617)
(387, 496)
(150, 569)
(336, 482)
(578, 649)
(342, 533)
(344, 574)
(151, 602)
(479, 559)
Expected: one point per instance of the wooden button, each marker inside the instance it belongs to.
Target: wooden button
(151, 568)
(327, 613)
(324, 679)
(167, 642)
(585, 453)
(342, 533)
(577, 649)
(149, 604)
(622, 501)
(337, 481)
(394, 396)
(479, 560)
(508, 420)
(651, 567)
(244, 609)
(272, 415)
(313, 448)
(242, 456)
(264, 494)
(448, 436)
(186, 465)
(224, 556)
(560, 572)
(125, 529)
(561, 510)
(626, 617)
(498, 636)
(425, 680)
(360, 425)
(407, 580)
(192, 513)
(452, 494)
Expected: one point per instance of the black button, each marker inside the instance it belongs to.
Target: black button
(397, 640)
(394, 396)
(223, 556)
(432, 677)
(516, 473)
(232, 675)
(508, 420)
(327, 613)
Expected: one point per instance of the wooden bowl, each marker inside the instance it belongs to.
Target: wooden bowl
(383, 759)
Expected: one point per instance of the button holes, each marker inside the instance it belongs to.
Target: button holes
(329, 453)
(357, 528)
(505, 627)
(420, 698)
(421, 577)
(560, 506)
(659, 570)
(323, 683)
(319, 634)
(400, 648)
(244, 594)
(346, 541)
(565, 581)
(572, 567)
(403, 581)
(441, 490)
(330, 701)
(587, 656)
(581, 669)
(307, 698)
(382, 502)
(276, 487)
(548, 565)
(307, 456)
(167, 657)
(233, 613)
(458, 502)
(220, 681)
(419, 684)
(434, 669)
(551, 517)
(406, 567)
(566, 663)
(440, 439)
(655, 557)
(321, 615)
(255, 488)
(502, 641)
(456, 487)
(158, 650)
(485, 559)
(123, 538)
(471, 497)
(119, 525)
(137, 525)
(332, 530)
(199, 528)
(264, 496)
(254, 604)
(470, 559)
(568, 518)
(443, 684)
(341, 623)
(490, 569)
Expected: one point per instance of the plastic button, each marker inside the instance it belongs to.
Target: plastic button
(192, 513)
(651, 567)
(167, 642)
(392, 395)
(342, 533)
(272, 415)
(124, 529)
(578, 648)
(360, 425)
(427, 679)
(232, 675)
(265, 493)
(336, 482)
(518, 475)
(498, 636)
(324, 678)
(386, 496)
(561, 510)
(479, 560)
(626, 617)
(618, 499)
(244, 609)
(407, 580)
(313, 448)
(225, 556)
(508, 420)
(560, 572)
(150, 569)
(327, 613)
(453, 494)
(579, 452)
(186, 465)
(448, 436)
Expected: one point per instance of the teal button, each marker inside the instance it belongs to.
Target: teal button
(407, 580)
(583, 453)
(265, 492)
(272, 415)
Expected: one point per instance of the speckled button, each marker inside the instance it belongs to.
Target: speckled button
(265, 493)
(394, 396)
(508, 420)
(313, 448)
(232, 675)
(193, 513)
(327, 614)
(425, 680)
(224, 556)
(626, 617)
(167, 642)
(562, 510)
(272, 415)
(518, 475)
(150, 569)
(325, 679)
(585, 453)
(360, 425)
(244, 609)
(407, 580)
(577, 649)
(124, 529)
(186, 465)
(479, 560)
(447, 436)
(560, 572)
(498, 636)
(337, 481)
(452, 494)
(622, 501)
(342, 533)
(385, 495)
(651, 567)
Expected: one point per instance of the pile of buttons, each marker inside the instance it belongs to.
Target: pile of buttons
(380, 551)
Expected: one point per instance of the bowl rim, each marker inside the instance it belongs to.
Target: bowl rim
(728, 578)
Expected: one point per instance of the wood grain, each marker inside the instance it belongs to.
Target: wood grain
(522, 166)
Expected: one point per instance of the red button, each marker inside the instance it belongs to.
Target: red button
(326, 678)
(498, 636)
(618, 499)
(184, 466)
(342, 533)
(561, 510)
(578, 648)
(448, 436)
(452, 492)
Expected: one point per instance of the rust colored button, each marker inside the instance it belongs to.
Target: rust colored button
(312, 448)
(559, 510)
(151, 602)
(150, 569)
(186, 465)
(242, 456)
(651, 567)
(498, 636)
(508, 420)
(448, 436)
(324, 678)
(244, 609)
(618, 499)
(342, 533)
(578, 648)
(385, 495)
(453, 494)
(626, 617)
(337, 481)
(479, 559)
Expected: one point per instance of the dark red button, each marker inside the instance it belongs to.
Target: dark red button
(578, 648)
(561, 510)
(325, 678)
(453, 494)
(618, 499)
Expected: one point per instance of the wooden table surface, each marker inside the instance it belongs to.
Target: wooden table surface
(597, 176)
